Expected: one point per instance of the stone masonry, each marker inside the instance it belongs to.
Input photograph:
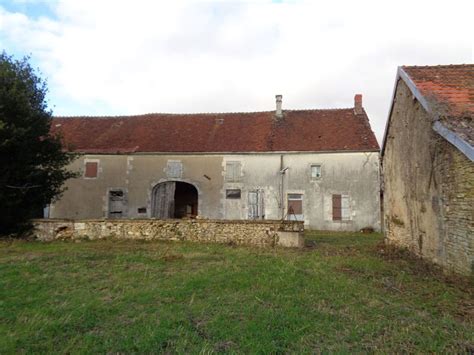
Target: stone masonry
(428, 189)
(258, 233)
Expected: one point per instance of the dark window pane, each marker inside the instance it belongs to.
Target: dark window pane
(232, 193)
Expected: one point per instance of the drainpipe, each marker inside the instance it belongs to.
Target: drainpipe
(282, 173)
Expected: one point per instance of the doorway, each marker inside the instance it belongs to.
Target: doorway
(174, 199)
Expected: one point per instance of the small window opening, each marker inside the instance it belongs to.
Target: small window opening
(315, 171)
(232, 194)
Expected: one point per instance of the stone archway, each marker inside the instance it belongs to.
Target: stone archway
(174, 199)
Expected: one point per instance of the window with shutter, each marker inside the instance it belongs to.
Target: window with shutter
(341, 209)
(345, 208)
(91, 169)
(336, 208)
(233, 171)
(116, 204)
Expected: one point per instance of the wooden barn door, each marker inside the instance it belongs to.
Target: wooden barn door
(163, 200)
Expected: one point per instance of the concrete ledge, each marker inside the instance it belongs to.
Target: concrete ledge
(260, 233)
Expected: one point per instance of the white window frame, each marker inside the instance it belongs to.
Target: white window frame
(296, 196)
(320, 171)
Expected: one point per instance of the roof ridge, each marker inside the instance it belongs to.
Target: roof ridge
(196, 113)
(439, 66)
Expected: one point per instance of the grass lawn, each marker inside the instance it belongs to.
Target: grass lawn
(342, 294)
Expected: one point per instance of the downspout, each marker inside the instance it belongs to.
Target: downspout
(282, 208)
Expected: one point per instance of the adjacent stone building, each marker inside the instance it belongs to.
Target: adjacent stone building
(316, 166)
(427, 164)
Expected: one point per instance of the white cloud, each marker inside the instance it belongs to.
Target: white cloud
(134, 57)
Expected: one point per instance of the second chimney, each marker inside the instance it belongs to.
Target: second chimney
(358, 104)
(278, 112)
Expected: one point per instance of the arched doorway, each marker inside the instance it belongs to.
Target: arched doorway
(174, 199)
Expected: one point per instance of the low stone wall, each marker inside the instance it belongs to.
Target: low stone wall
(259, 233)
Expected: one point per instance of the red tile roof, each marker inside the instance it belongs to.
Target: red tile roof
(298, 130)
(451, 89)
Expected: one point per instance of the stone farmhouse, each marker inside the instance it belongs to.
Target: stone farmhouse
(316, 166)
(428, 169)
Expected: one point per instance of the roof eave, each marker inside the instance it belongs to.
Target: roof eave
(90, 152)
(454, 139)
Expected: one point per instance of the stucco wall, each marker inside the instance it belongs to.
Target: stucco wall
(262, 233)
(354, 174)
(428, 189)
(137, 175)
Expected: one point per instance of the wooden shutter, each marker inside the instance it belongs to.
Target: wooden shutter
(229, 171)
(336, 208)
(232, 171)
(91, 169)
(116, 204)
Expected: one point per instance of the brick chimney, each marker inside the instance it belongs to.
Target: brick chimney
(278, 112)
(358, 104)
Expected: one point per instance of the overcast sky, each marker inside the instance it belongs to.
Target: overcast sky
(134, 57)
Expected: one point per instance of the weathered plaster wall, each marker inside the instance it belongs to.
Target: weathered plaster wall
(354, 174)
(428, 189)
(262, 233)
(137, 175)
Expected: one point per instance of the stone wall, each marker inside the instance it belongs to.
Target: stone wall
(428, 189)
(456, 178)
(259, 233)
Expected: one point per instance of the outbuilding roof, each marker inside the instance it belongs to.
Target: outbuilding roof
(297, 130)
(447, 93)
(450, 90)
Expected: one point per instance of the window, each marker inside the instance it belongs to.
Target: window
(256, 204)
(315, 171)
(232, 194)
(116, 204)
(141, 210)
(174, 169)
(295, 207)
(340, 208)
(91, 169)
(232, 171)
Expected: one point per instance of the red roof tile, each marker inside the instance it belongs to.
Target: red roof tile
(451, 87)
(298, 130)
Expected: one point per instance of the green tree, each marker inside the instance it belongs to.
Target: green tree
(33, 163)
